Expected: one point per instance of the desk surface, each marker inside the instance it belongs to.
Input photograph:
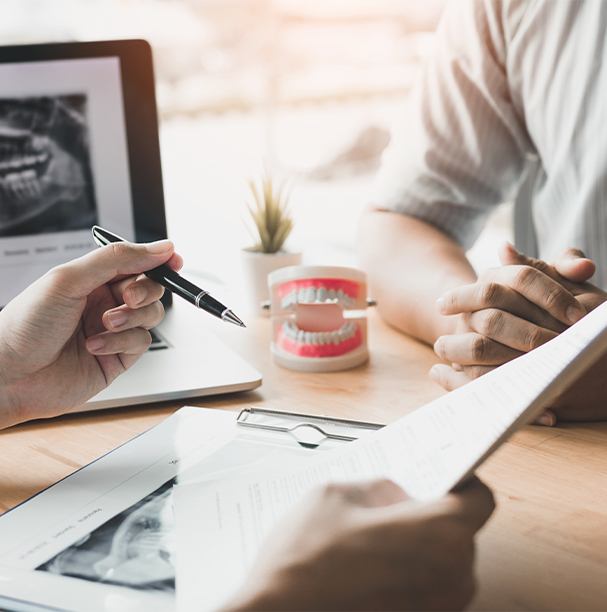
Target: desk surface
(545, 547)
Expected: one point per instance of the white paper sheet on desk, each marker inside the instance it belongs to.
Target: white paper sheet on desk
(427, 452)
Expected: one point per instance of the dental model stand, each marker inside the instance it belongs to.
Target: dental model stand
(319, 319)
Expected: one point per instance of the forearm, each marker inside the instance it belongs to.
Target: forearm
(410, 265)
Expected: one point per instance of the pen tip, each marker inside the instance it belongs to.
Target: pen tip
(230, 317)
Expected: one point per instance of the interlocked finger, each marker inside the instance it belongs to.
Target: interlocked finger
(476, 371)
(507, 287)
(447, 377)
(491, 295)
(473, 349)
(509, 330)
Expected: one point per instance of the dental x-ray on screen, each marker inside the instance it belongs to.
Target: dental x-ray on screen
(46, 181)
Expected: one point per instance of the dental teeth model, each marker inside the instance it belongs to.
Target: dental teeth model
(319, 319)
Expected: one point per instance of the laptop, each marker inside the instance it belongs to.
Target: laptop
(79, 146)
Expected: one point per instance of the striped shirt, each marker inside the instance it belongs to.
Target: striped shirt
(512, 104)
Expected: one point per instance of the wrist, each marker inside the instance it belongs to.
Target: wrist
(9, 413)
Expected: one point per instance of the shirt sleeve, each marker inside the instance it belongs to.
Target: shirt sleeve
(463, 147)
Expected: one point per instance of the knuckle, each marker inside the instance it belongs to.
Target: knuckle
(479, 347)
(554, 298)
(524, 276)
(489, 293)
(491, 322)
(59, 276)
(475, 371)
(533, 338)
(120, 249)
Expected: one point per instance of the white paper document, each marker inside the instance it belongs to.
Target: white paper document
(104, 537)
(427, 452)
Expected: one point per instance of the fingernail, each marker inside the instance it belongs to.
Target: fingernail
(438, 347)
(574, 314)
(160, 246)
(546, 419)
(433, 373)
(117, 318)
(440, 303)
(95, 344)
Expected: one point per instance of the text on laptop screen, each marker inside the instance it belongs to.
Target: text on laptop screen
(63, 164)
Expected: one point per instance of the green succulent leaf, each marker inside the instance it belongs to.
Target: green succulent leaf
(270, 213)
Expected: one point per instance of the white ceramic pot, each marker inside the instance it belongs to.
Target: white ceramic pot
(256, 266)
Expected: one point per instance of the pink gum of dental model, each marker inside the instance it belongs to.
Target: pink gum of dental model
(319, 317)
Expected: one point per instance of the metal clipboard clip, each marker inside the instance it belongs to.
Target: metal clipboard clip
(307, 430)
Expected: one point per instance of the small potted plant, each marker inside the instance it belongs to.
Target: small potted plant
(272, 224)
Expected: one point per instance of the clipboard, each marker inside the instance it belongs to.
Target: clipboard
(309, 431)
(127, 492)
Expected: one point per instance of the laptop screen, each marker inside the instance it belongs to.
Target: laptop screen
(63, 164)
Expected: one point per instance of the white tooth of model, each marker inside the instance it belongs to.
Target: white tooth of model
(321, 295)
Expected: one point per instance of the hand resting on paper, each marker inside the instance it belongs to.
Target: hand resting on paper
(365, 547)
(73, 331)
(512, 310)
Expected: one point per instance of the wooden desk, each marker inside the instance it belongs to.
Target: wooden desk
(546, 546)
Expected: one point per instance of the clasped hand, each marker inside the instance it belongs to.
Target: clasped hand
(513, 309)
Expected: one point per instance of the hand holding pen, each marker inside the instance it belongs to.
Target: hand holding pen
(77, 328)
(175, 283)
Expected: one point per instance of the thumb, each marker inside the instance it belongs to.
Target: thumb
(82, 276)
(510, 256)
(575, 266)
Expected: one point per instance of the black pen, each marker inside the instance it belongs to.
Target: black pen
(175, 283)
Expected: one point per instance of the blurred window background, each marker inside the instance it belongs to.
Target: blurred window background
(305, 88)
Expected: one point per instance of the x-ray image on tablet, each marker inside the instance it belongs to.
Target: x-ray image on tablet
(133, 549)
(46, 181)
